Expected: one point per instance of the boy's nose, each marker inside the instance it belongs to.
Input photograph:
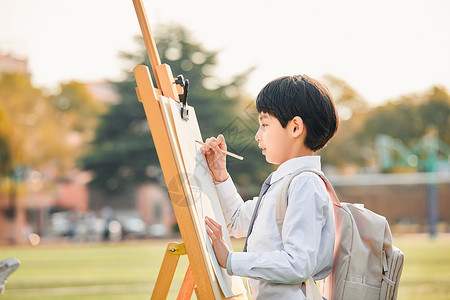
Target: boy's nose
(257, 138)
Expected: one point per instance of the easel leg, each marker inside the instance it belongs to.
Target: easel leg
(167, 271)
(187, 288)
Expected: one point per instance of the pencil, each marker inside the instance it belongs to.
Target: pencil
(225, 152)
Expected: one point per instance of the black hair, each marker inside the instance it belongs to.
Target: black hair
(290, 96)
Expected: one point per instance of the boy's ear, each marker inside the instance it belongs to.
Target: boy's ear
(297, 126)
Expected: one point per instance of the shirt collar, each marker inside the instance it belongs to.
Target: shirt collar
(290, 166)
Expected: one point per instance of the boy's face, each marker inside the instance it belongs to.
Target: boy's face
(275, 140)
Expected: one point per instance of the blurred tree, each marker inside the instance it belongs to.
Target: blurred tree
(435, 112)
(47, 132)
(407, 118)
(344, 149)
(124, 154)
(30, 110)
(77, 112)
(410, 117)
(6, 159)
(400, 120)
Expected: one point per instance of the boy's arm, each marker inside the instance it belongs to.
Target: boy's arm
(237, 213)
(306, 215)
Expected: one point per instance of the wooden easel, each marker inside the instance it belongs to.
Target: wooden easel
(200, 274)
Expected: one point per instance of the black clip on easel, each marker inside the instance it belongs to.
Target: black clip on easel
(184, 83)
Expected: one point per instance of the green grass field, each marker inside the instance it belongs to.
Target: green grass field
(129, 270)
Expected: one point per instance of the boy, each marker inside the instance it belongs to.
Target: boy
(297, 117)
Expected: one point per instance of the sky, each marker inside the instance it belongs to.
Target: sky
(383, 49)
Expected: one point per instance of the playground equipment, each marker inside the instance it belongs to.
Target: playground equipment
(429, 155)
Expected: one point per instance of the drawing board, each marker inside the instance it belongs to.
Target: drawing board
(198, 177)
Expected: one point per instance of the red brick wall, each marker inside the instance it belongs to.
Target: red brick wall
(398, 203)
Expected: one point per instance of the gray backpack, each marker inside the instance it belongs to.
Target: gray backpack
(366, 265)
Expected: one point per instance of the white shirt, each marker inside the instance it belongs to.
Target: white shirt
(277, 265)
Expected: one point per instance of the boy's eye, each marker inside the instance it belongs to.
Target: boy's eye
(263, 125)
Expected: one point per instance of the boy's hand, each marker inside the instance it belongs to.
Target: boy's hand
(221, 250)
(215, 158)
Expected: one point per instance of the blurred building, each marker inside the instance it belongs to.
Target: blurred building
(10, 64)
(148, 202)
(27, 207)
(403, 198)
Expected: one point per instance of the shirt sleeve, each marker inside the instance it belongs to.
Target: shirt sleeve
(228, 266)
(301, 236)
(237, 213)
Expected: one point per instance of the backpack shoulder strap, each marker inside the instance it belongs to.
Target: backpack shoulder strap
(312, 292)
(282, 200)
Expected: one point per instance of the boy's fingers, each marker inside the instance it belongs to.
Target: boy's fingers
(214, 238)
(214, 223)
(210, 224)
(207, 143)
(215, 147)
(215, 227)
(211, 144)
(221, 142)
(207, 149)
(210, 232)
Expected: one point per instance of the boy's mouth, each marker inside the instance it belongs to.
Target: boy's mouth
(263, 149)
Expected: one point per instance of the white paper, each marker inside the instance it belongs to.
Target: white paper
(205, 196)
